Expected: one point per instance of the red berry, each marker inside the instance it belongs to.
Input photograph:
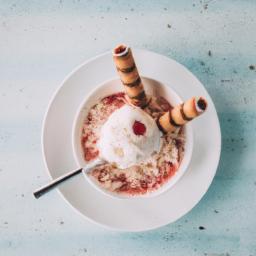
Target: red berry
(139, 128)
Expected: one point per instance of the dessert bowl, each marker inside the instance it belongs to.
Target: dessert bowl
(152, 87)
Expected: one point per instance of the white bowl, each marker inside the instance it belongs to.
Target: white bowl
(152, 87)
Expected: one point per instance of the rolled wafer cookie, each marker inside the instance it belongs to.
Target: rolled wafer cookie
(181, 114)
(129, 75)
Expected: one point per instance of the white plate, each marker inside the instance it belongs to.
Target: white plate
(143, 213)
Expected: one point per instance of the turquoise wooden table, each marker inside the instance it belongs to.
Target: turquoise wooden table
(42, 41)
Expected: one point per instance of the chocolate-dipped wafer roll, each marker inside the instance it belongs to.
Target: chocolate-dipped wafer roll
(182, 114)
(129, 75)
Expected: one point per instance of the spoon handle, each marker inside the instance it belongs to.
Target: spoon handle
(46, 188)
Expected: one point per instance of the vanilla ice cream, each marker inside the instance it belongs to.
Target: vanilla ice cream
(129, 136)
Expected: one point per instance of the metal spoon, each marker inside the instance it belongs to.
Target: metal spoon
(46, 188)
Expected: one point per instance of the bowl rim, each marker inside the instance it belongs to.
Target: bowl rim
(79, 118)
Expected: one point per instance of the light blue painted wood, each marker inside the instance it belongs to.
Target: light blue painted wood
(41, 41)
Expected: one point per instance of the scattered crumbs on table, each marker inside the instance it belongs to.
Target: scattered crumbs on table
(169, 236)
(226, 80)
(82, 251)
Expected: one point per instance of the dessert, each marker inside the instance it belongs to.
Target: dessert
(160, 156)
(141, 137)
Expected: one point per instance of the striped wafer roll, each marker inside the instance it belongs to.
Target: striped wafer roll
(129, 75)
(182, 114)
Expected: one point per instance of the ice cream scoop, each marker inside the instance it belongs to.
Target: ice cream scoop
(128, 137)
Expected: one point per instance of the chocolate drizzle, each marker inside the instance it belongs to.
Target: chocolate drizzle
(127, 70)
(134, 83)
(183, 113)
(140, 96)
(172, 121)
(160, 126)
